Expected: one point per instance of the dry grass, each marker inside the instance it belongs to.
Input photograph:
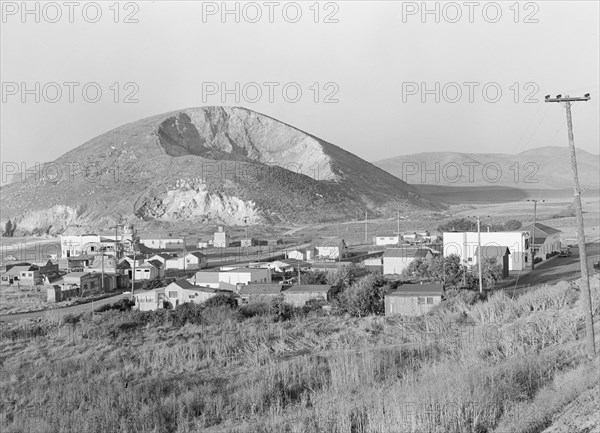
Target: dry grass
(504, 364)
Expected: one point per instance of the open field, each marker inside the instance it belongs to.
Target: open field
(497, 365)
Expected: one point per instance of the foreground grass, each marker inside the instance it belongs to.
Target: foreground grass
(471, 366)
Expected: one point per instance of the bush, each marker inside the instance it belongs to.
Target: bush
(224, 300)
(255, 310)
(364, 297)
(282, 310)
(188, 313)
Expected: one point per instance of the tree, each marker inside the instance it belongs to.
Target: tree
(313, 277)
(491, 272)
(512, 225)
(9, 229)
(364, 297)
(459, 225)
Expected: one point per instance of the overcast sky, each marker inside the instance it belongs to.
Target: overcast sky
(375, 58)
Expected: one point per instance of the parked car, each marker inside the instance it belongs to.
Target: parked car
(10, 258)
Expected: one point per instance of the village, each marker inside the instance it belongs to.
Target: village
(159, 271)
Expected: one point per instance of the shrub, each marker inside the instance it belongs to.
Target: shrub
(188, 313)
(282, 310)
(364, 297)
(224, 300)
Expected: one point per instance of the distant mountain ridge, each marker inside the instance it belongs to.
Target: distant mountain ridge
(225, 165)
(541, 168)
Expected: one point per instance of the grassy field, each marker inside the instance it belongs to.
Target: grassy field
(471, 365)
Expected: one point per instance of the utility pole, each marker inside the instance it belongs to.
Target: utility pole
(585, 277)
(479, 253)
(398, 228)
(535, 202)
(102, 282)
(133, 273)
(366, 227)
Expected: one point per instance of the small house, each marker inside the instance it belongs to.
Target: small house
(413, 299)
(389, 239)
(260, 293)
(182, 291)
(22, 275)
(547, 240)
(300, 295)
(161, 242)
(161, 257)
(329, 248)
(149, 271)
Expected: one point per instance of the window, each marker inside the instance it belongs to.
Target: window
(420, 301)
(430, 301)
(470, 259)
(173, 294)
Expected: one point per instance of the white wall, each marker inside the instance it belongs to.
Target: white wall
(464, 244)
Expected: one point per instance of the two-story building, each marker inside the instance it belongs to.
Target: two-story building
(464, 245)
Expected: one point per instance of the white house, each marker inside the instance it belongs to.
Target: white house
(382, 240)
(230, 278)
(160, 242)
(194, 260)
(300, 254)
(464, 245)
(161, 257)
(182, 291)
(547, 240)
(149, 300)
(329, 248)
(147, 271)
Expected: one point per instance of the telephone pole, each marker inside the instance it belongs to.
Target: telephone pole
(479, 253)
(133, 273)
(366, 229)
(535, 202)
(398, 228)
(585, 277)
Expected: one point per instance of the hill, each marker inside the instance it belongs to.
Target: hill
(546, 168)
(209, 164)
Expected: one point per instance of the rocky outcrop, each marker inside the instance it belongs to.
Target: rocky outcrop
(212, 164)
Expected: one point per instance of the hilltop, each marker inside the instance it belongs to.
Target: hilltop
(210, 164)
(546, 168)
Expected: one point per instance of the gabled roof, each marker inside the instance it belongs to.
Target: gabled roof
(184, 284)
(328, 242)
(546, 229)
(205, 277)
(163, 256)
(16, 270)
(423, 252)
(261, 289)
(76, 274)
(155, 263)
(197, 254)
(492, 251)
(400, 252)
(309, 288)
(160, 236)
(417, 290)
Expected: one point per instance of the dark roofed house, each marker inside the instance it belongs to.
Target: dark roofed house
(498, 252)
(413, 299)
(303, 294)
(547, 240)
(260, 293)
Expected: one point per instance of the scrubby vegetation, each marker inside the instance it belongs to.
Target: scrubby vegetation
(471, 365)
